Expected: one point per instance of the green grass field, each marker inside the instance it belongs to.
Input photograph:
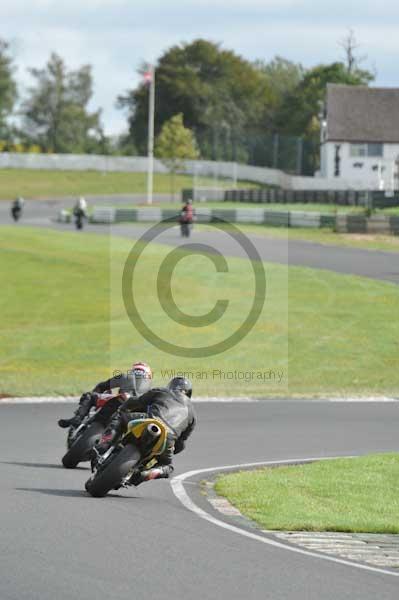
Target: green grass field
(46, 184)
(350, 494)
(64, 326)
(324, 236)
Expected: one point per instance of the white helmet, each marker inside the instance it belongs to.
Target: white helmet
(82, 203)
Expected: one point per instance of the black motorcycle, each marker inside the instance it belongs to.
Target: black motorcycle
(80, 217)
(81, 439)
(16, 210)
(185, 229)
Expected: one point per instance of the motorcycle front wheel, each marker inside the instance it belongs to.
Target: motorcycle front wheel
(80, 449)
(113, 474)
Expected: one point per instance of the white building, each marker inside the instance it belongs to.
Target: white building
(360, 137)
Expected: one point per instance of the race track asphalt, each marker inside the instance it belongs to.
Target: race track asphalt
(56, 542)
(367, 263)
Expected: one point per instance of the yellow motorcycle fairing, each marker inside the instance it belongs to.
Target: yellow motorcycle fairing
(137, 428)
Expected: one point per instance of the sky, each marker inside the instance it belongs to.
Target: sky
(116, 36)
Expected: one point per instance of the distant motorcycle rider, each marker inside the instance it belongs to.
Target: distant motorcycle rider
(16, 208)
(186, 218)
(172, 405)
(135, 382)
(80, 212)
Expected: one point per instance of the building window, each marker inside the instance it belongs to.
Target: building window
(358, 150)
(366, 150)
(375, 149)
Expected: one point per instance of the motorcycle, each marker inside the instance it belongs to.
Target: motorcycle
(144, 440)
(80, 216)
(81, 439)
(185, 228)
(16, 211)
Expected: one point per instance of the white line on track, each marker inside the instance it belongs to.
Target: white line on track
(202, 399)
(178, 482)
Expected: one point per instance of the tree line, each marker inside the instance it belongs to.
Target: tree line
(235, 109)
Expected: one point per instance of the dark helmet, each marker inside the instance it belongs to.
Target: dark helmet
(180, 384)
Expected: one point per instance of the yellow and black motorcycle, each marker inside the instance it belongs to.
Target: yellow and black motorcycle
(144, 440)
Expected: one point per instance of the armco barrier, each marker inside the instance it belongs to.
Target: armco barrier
(394, 225)
(126, 214)
(327, 221)
(384, 224)
(304, 219)
(356, 224)
(251, 215)
(277, 218)
(103, 214)
(226, 215)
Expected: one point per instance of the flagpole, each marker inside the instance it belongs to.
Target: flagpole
(151, 113)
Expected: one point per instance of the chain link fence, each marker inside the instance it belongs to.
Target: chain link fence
(294, 155)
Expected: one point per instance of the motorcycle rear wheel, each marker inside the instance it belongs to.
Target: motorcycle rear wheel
(79, 451)
(114, 473)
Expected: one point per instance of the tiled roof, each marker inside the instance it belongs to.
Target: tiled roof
(362, 114)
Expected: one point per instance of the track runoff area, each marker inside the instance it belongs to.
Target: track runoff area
(184, 484)
(180, 487)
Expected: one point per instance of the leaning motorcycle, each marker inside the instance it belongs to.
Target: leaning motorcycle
(16, 212)
(80, 216)
(82, 438)
(144, 440)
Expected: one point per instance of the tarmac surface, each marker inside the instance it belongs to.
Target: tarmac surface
(57, 542)
(367, 263)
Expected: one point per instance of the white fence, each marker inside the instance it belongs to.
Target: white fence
(138, 164)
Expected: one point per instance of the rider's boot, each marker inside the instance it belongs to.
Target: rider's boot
(155, 473)
(72, 422)
(85, 403)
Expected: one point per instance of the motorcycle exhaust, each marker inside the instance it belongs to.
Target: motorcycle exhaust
(153, 430)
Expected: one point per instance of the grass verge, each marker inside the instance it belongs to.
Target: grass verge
(64, 326)
(325, 236)
(44, 184)
(349, 494)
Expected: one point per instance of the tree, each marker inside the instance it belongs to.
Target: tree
(283, 77)
(220, 94)
(174, 145)
(8, 88)
(350, 45)
(300, 110)
(55, 114)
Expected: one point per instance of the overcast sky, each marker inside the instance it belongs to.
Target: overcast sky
(116, 36)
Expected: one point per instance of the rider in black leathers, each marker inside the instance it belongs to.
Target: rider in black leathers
(80, 212)
(136, 381)
(173, 406)
(16, 208)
